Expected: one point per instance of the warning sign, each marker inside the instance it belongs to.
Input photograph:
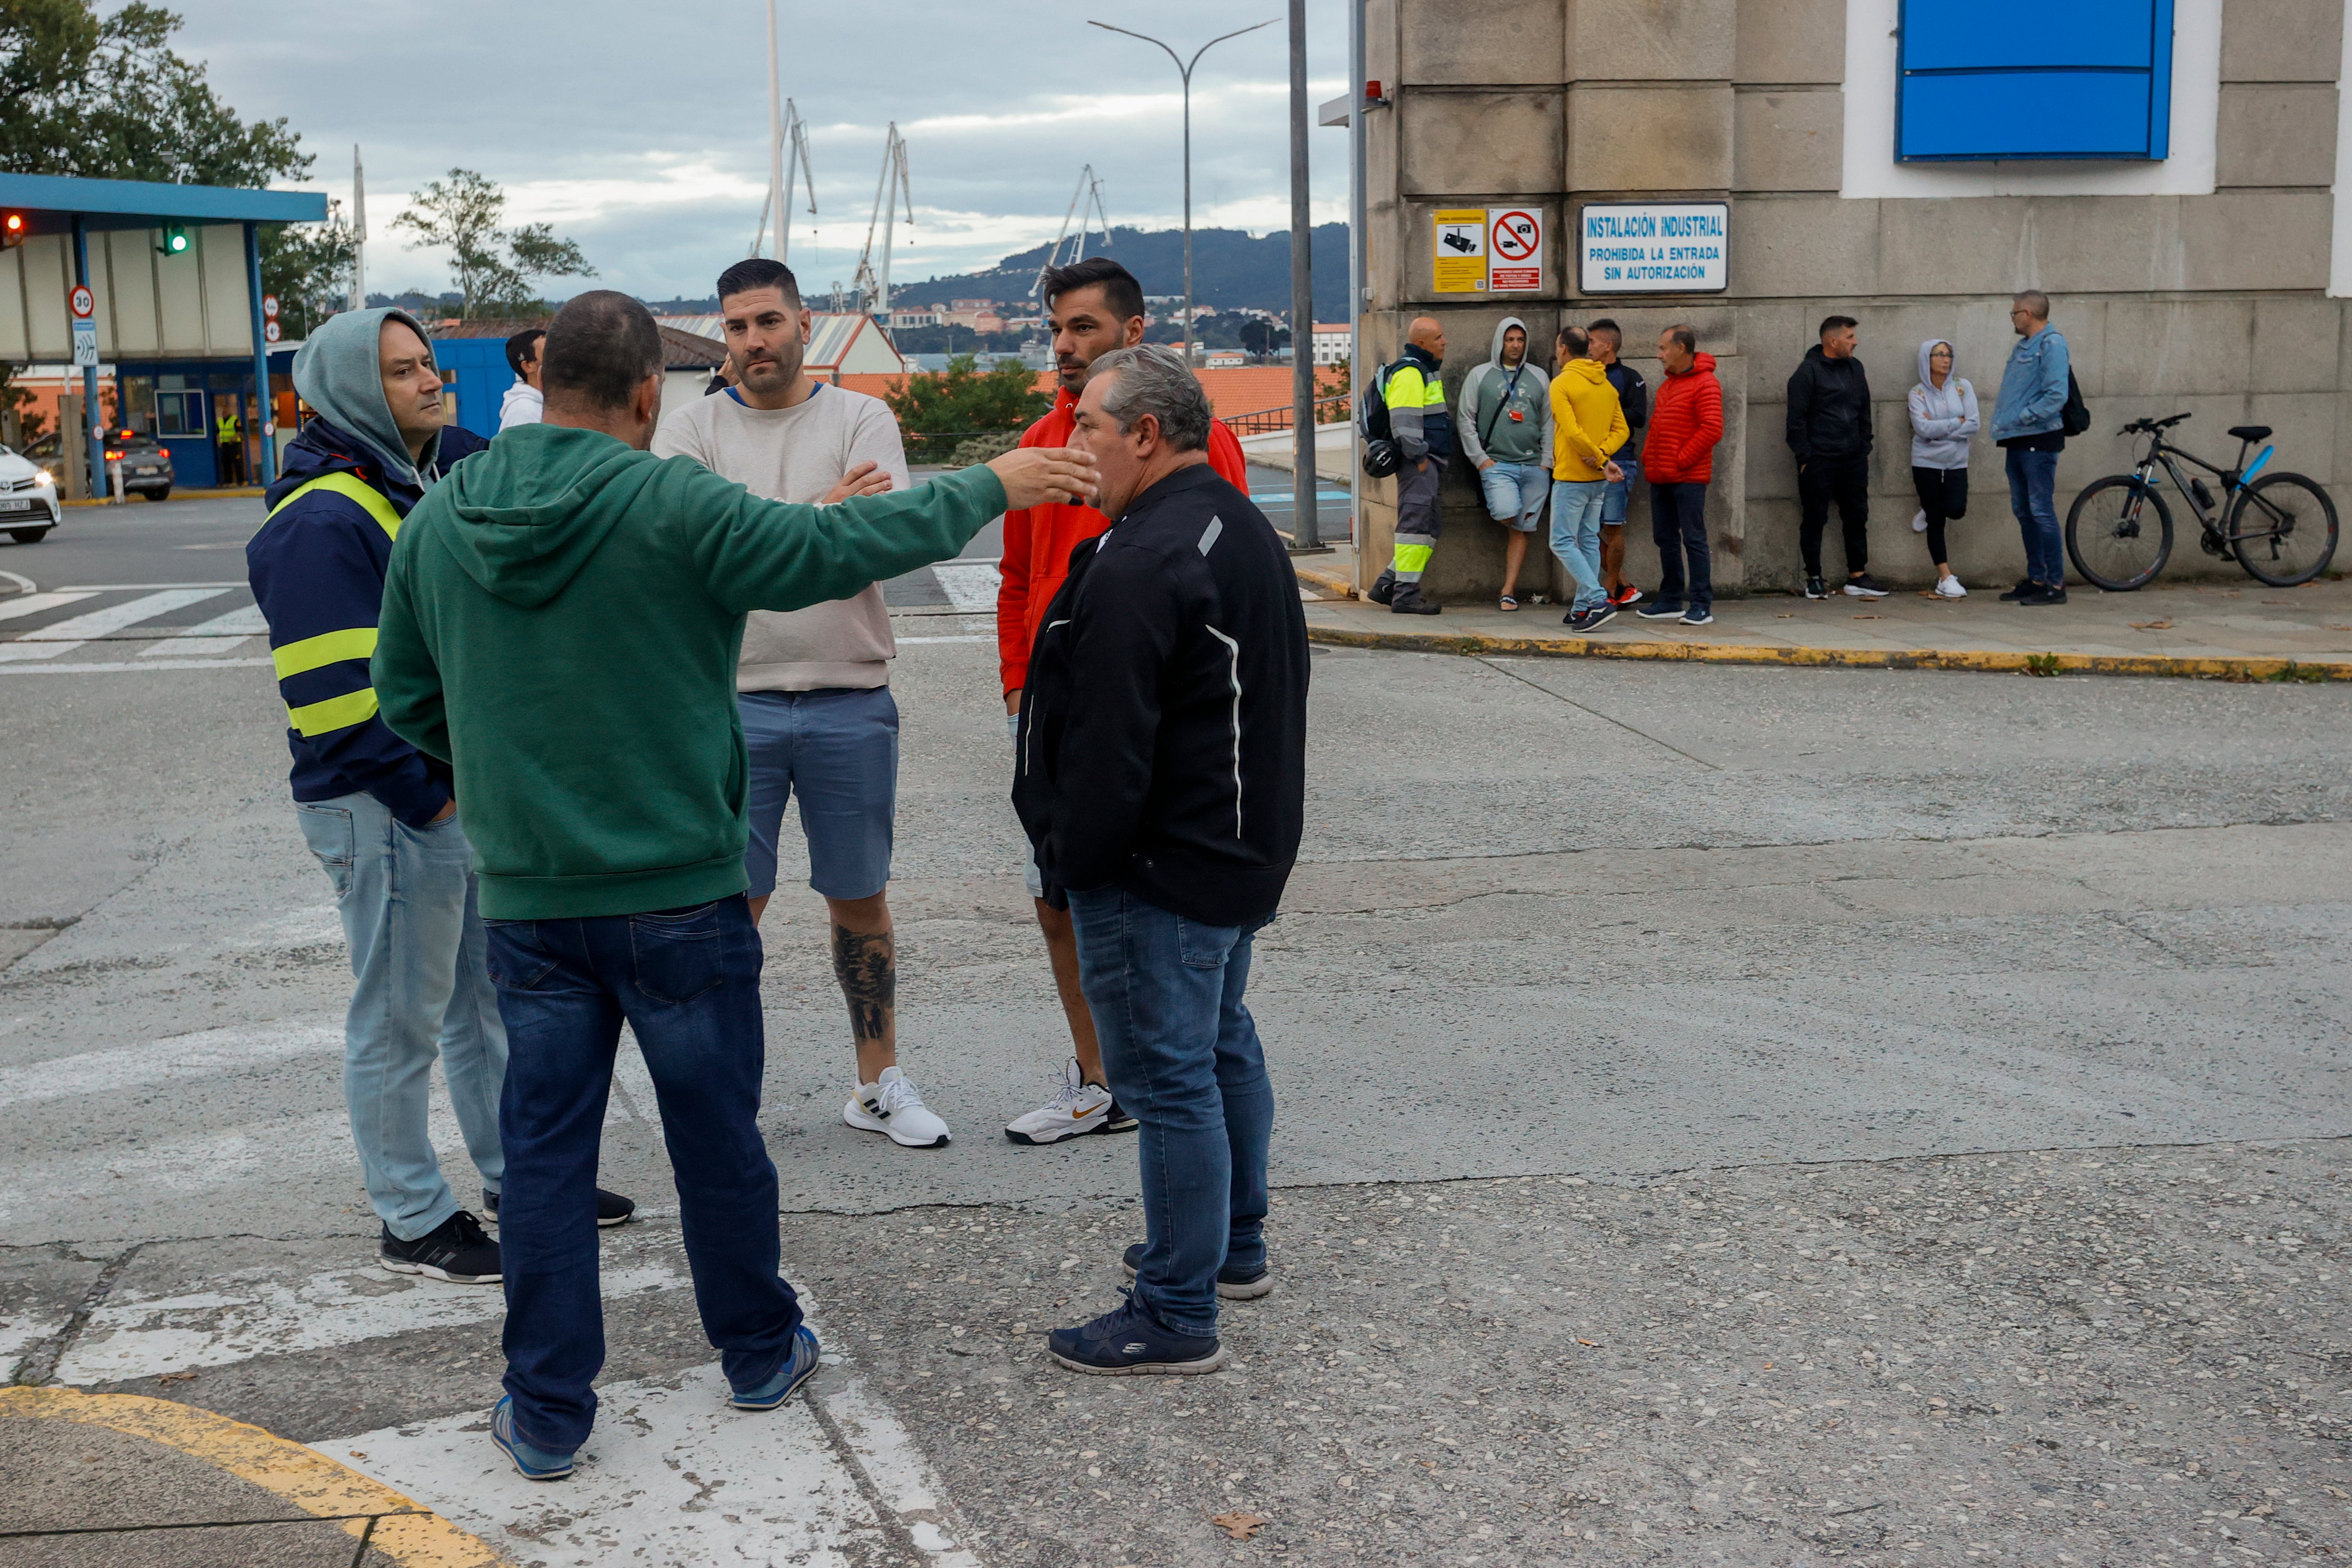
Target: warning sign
(1459, 258)
(1515, 236)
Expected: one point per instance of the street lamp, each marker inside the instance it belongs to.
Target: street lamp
(1185, 70)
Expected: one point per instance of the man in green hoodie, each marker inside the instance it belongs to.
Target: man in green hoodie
(561, 625)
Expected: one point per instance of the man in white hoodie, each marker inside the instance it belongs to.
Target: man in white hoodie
(524, 400)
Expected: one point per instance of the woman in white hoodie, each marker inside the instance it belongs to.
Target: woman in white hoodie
(1943, 417)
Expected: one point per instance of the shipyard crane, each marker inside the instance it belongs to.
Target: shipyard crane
(1090, 194)
(873, 287)
(789, 160)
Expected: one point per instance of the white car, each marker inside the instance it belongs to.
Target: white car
(28, 498)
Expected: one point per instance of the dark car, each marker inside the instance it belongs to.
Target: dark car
(146, 464)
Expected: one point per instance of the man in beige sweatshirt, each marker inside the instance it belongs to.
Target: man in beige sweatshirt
(814, 684)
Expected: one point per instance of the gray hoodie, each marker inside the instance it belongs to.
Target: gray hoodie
(1943, 419)
(336, 371)
(1489, 399)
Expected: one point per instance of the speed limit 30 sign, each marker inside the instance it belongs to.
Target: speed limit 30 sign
(1515, 248)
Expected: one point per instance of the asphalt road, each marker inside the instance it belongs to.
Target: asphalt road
(1726, 1116)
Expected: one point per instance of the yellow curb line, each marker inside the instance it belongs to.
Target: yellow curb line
(1329, 582)
(1473, 644)
(406, 1531)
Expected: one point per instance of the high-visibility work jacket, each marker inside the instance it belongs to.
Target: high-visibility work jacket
(226, 428)
(1418, 422)
(318, 568)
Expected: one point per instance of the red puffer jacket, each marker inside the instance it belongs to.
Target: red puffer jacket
(1684, 426)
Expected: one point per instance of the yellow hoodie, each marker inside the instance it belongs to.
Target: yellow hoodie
(1588, 421)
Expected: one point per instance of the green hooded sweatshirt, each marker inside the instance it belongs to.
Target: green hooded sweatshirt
(560, 624)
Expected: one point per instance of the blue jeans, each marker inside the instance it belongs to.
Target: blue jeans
(1576, 535)
(415, 930)
(2033, 489)
(687, 980)
(1618, 494)
(1182, 1055)
(1678, 526)
(839, 747)
(1514, 493)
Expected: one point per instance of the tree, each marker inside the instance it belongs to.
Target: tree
(308, 267)
(965, 402)
(494, 265)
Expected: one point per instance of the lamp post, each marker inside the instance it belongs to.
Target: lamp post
(1303, 530)
(1184, 70)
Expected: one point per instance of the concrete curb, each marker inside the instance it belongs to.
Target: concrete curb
(1474, 644)
(406, 1532)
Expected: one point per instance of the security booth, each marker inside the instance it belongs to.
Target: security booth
(164, 283)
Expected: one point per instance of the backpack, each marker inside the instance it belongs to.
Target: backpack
(1381, 457)
(2075, 417)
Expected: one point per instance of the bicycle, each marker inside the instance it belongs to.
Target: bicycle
(2281, 527)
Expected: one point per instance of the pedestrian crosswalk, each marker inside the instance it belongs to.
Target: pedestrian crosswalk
(94, 629)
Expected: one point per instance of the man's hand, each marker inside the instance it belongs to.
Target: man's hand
(1042, 476)
(1012, 701)
(866, 479)
(1485, 464)
(1613, 473)
(449, 810)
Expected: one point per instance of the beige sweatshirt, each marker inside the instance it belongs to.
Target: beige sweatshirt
(797, 454)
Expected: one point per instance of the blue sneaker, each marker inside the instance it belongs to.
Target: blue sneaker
(1127, 1343)
(798, 1368)
(1233, 1285)
(530, 1463)
(1662, 610)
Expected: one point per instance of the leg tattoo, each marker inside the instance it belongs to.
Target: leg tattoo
(866, 965)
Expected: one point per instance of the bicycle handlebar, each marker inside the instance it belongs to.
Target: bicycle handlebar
(2150, 426)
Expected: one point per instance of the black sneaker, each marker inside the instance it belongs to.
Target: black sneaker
(612, 1209)
(1232, 1284)
(1597, 617)
(2043, 596)
(1408, 601)
(1127, 1343)
(1661, 610)
(1862, 585)
(1816, 589)
(1121, 1120)
(1383, 587)
(455, 1250)
(2025, 585)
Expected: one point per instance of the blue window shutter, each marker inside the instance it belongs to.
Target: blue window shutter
(2030, 78)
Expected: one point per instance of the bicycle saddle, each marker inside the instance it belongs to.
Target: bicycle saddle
(2251, 431)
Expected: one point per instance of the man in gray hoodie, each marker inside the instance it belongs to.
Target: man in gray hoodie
(1506, 435)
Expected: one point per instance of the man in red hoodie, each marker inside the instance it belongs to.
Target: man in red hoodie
(1093, 306)
(1679, 457)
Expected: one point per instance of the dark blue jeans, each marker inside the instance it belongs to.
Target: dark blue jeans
(1182, 1055)
(2033, 488)
(1678, 525)
(688, 982)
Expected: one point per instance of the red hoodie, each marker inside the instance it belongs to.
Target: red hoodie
(1684, 426)
(1038, 539)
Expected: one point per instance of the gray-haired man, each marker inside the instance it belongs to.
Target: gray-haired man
(1161, 778)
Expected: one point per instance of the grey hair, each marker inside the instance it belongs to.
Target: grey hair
(2034, 300)
(1154, 381)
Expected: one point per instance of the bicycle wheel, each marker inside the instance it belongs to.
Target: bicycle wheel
(2282, 528)
(2119, 533)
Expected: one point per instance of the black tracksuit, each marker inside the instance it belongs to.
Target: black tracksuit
(1830, 433)
(1164, 725)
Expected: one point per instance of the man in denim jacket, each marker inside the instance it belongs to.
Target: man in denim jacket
(2027, 424)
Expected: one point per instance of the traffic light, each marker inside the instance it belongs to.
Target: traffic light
(175, 240)
(11, 230)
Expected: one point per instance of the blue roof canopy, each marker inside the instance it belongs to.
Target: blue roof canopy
(51, 201)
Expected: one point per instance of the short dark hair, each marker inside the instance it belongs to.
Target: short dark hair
(759, 272)
(602, 348)
(1121, 292)
(523, 347)
(1833, 323)
(1576, 341)
(1686, 338)
(1616, 333)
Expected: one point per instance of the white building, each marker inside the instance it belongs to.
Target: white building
(1330, 342)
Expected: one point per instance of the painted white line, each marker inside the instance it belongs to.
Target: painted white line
(200, 1055)
(217, 635)
(115, 617)
(250, 1314)
(969, 585)
(670, 1475)
(10, 609)
(13, 652)
(904, 641)
(183, 1167)
(145, 587)
(896, 1467)
(110, 668)
(19, 1332)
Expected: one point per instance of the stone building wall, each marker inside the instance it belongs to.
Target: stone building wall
(2215, 303)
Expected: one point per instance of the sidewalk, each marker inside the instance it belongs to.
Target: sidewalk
(2229, 631)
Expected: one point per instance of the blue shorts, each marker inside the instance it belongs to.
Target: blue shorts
(1619, 493)
(840, 749)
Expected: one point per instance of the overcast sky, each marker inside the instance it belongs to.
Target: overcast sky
(640, 130)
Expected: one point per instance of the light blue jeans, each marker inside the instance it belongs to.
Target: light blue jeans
(1576, 535)
(1514, 493)
(407, 899)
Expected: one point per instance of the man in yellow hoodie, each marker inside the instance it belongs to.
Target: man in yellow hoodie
(1589, 426)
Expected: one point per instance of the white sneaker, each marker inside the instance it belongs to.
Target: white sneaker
(1948, 587)
(894, 1107)
(1919, 521)
(1078, 1107)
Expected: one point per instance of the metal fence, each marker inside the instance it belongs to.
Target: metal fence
(1266, 421)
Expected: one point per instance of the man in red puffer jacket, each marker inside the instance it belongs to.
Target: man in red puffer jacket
(1679, 458)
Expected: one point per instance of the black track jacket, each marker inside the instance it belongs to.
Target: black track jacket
(1163, 727)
